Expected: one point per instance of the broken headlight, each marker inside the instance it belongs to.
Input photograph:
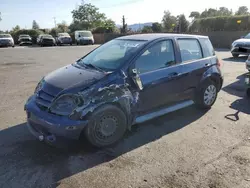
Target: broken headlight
(65, 104)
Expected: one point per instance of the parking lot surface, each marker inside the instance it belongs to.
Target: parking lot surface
(185, 149)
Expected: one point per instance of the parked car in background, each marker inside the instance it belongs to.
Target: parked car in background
(84, 37)
(6, 40)
(24, 40)
(241, 46)
(125, 81)
(248, 63)
(63, 38)
(46, 40)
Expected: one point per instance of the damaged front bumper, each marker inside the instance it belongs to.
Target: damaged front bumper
(240, 50)
(49, 127)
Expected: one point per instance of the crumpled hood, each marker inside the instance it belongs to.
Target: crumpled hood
(243, 40)
(70, 76)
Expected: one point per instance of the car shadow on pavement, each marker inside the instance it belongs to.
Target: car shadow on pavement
(27, 162)
(238, 87)
(240, 59)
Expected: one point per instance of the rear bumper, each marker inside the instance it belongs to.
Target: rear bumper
(49, 127)
(86, 41)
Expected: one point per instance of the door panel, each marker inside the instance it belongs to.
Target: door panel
(160, 88)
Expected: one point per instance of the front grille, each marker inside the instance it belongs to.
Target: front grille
(48, 41)
(44, 99)
(25, 40)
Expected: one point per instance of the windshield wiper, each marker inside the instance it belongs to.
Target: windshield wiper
(93, 67)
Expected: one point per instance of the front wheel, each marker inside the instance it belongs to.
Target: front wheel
(106, 126)
(206, 95)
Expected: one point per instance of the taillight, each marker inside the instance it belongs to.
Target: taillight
(218, 63)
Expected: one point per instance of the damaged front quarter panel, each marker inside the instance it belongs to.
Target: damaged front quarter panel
(117, 92)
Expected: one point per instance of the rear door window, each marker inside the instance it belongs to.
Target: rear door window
(190, 49)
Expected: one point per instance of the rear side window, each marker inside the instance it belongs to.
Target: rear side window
(208, 47)
(190, 49)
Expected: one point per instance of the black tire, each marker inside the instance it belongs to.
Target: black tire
(200, 101)
(98, 124)
(235, 55)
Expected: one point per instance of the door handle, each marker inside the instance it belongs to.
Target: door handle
(207, 64)
(174, 74)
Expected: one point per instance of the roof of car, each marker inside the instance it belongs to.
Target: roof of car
(153, 36)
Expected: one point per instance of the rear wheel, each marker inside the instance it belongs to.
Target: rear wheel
(207, 95)
(106, 126)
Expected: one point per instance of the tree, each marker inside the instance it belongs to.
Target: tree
(15, 29)
(62, 27)
(182, 23)
(156, 27)
(35, 25)
(168, 21)
(223, 11)
(194, 15)
(243, 10)
(88, 15)
(147, 29)
(124, 28)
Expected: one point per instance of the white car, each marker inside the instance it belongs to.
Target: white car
(84, 37)
(6, 40)
(248, 63)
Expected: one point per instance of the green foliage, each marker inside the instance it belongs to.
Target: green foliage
(243, 10)
(35, 25)
(157, 27)
(194, 15)
(31, 32)
(62, 27)
(222, 23)
(168, 21)
(182, 23)
(147, 29)
(88, 15)
(108, 26)
(15, 29)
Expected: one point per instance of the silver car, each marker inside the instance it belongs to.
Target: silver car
(6, 40)
(241, 46)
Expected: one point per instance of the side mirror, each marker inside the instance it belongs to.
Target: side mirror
(79, 36)
(242, 37)
(136, 78)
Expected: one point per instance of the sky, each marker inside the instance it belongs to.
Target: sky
(23, 12)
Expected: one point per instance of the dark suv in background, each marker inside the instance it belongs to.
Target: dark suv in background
(24, 40)
(126, 81)
(46, 40)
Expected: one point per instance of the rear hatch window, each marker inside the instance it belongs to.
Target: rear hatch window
(208, 49)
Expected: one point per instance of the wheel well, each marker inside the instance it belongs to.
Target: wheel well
(217, 81)
(117, 104)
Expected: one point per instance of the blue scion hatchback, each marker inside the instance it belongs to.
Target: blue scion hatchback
(126, 81)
